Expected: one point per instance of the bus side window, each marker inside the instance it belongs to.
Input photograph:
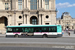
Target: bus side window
(49, 29)
(17, 30)
(26, 30)
(22, 29)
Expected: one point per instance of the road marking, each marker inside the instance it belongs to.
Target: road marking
(66, 47)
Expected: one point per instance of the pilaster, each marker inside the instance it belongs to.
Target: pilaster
(39, 3)
(39, 19)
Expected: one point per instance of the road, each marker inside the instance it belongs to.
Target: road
(62, 43)
(31, 48)
(68, 43)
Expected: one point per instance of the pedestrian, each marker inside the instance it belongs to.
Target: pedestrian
(67, 30)
(69, 33)
(62, 33)
(74, 31)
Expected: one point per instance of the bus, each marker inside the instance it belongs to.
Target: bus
(34, 30)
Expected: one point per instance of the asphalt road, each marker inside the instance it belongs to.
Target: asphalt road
(31, 48)
(39, 40)
(62, 43)
(67, 43)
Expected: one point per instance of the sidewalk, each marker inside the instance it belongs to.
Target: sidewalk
(66, 34)
(2, 35)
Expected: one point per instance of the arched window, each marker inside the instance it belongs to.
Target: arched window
(33, 4)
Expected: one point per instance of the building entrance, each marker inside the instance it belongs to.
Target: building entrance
(3, 22)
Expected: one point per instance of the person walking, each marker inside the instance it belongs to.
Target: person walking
(69, 33)
(74, 31)
(67, 30)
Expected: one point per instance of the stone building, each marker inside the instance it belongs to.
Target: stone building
(37, 12)
(66, 21)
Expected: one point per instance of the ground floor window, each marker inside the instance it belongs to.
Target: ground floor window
(33, 20)
(19, 23)
(46, 23)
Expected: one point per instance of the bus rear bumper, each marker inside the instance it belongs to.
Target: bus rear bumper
(59, 35)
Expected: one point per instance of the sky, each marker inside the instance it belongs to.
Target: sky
(65, 6)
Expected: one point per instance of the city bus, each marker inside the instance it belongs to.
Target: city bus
(34, 30)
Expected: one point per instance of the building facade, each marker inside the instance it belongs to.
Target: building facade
(37, 12)
(66, 21)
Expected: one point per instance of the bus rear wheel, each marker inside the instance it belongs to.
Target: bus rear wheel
(45, 36)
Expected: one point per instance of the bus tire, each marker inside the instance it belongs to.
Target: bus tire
(6, 36)
(16, 35)
(45, 36)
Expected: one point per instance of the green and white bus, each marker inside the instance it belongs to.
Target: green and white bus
(34, 30)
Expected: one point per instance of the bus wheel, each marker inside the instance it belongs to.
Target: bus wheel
(44, 36)
(16, 36)
(6, 36)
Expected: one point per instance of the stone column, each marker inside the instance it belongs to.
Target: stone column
(24, 19)
(24, 4)
(9, 4)
(8, 20)
(12, 20)
(49, 5)
(13, 4)
(42, 19)
(42, 4)
(39, 3)
(27, 19)
(52, 4)
(39, 19)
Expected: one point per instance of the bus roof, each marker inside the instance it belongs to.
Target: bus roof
(32, 26)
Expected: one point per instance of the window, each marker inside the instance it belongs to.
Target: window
(9, 29)
(29, 30)
(47, 23)
(20, 17)
(19, 23)
(33, 4)
(45, 29)
(6, 6)
(20, 4)
(46, 4)
(53, 29)
(34, 21)
(47, 16)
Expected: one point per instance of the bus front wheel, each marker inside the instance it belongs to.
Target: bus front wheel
(16, 36)
(45, 36)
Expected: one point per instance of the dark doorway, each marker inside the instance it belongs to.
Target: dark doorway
(5, 21)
